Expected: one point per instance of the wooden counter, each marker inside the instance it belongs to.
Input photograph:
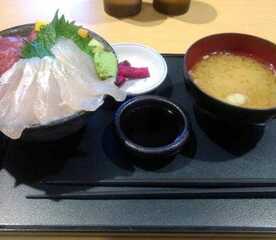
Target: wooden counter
(166, 34)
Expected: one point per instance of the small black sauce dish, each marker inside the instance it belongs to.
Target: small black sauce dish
(151, 127)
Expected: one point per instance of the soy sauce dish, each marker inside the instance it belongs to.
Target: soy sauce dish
(151, 127)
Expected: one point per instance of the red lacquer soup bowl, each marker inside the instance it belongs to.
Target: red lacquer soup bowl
(256, 47)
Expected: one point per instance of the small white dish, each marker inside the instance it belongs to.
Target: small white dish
(142, 56)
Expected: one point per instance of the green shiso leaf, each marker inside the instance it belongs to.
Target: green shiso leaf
(105, 62)
(48, 35)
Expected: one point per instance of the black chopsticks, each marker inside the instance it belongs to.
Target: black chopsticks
(165, 188)
(235, 193)
(171, 183)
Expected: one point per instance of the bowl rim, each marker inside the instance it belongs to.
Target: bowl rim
(190, 78)
(178, 142)
(29, 27)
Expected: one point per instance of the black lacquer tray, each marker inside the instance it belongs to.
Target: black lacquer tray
(215, 151)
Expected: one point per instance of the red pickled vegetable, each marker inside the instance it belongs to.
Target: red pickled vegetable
(124, 63)
(134, 73)
(127, 72)
(120, 80)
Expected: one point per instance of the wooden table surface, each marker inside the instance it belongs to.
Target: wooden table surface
(166, 34)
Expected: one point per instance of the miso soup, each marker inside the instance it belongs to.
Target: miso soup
(236, 79)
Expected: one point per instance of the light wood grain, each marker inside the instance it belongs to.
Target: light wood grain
(166, 34)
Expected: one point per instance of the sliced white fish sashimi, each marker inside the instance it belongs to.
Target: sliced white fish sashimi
(38, 91)
(16, 105)
(48, 104)
(11, 78)
(79, 83)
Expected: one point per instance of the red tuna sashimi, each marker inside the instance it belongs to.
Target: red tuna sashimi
(10, 50)
(11, 41)
(32, 36)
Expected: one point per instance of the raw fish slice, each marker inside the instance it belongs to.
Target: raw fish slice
(19, 104)
(10, 79)
(74, 60)
(10, 49)
(38, 91)
(80, 86)
(73, 91)
(48, 106)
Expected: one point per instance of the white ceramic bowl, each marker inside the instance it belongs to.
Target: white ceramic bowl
(142, 56)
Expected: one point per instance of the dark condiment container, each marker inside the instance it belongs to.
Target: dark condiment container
(122, 8)
(172, 7)
(151, 127)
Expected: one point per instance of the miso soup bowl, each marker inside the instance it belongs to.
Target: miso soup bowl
(231, 42)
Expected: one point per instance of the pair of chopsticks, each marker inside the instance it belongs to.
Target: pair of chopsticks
(173, 189)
